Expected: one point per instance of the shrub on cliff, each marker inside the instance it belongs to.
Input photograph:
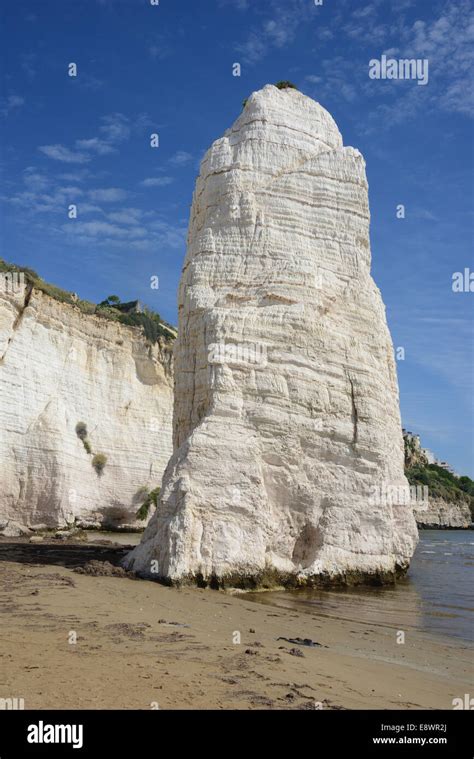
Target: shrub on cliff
(150, 322)
(466, 484)
(285, 85)
(81, 430)
(98, 462)
(150, 500)
(442, 484)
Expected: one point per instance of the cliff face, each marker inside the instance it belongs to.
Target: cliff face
(446, 505)
(441, 514)
(286, 409)
(60, 367)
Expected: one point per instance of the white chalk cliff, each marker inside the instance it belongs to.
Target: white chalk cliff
(59, 367)
(439, 514)
(286, 410)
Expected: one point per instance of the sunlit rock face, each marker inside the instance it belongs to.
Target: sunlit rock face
(286, 412)
(59, 367)
(439, 514)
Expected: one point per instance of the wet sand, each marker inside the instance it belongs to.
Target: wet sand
(141, 645)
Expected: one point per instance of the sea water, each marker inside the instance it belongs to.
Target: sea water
(435, 597)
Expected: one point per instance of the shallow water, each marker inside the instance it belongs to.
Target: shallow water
(436, 597)
(120, 538)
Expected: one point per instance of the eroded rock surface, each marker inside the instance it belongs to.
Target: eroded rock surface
(59, 367)
(286, 411)
(439, 514)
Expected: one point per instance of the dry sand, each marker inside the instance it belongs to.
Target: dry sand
(131, 654)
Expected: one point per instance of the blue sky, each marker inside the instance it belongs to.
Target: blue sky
(168, 69)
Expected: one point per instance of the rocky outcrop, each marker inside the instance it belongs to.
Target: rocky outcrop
(286, 413)
(60, 367)
(438, 498)
(440, 514)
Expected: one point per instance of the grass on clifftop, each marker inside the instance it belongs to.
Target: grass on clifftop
(443, 484)
(149, 321)
(440, 482)
(284, 84)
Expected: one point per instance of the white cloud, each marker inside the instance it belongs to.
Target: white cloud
(85, 208)
(11, 103)
(445, 40)
(75, 176)
(167, 234)
(181, 158)
(126, 216)
(116, 127)
(157, 182)
(107, 195)
(34, 180)
(337, 79)
(61, 153)
(121, 231)
(89, 82)
(101, 228)
(253, 49)
(275, 31)
(54, 201)
(95, 145)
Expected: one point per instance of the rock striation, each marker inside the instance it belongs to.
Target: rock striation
(440, 514)
(286, 411)
(60, 367)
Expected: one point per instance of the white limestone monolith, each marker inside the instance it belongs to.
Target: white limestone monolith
(286, 408)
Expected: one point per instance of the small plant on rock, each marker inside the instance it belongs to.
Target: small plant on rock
(285, 85)
(150, 500)
(98, 462)
(81, 430)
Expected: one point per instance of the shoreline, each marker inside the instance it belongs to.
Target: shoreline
(140, 642)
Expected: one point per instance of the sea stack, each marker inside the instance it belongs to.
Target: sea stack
(286, 408)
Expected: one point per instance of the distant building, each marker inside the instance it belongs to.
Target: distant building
(429, 455)
(445, 465)
(132, 307)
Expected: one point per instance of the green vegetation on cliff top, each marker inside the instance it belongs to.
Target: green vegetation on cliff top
(440, 482)
(147, 320)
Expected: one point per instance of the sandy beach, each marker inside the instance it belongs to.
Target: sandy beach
(141, 645)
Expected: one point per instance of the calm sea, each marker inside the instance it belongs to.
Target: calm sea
(436, 597)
